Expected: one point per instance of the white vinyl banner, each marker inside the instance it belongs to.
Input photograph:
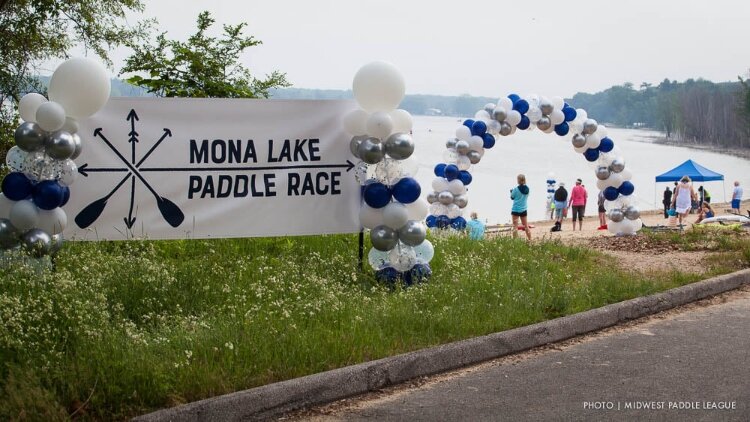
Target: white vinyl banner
(161, 168)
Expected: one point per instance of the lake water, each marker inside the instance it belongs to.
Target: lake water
(537, 154)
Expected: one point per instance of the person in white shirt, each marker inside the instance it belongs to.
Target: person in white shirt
(736, 197)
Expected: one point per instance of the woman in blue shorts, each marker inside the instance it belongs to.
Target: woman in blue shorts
(519, 195)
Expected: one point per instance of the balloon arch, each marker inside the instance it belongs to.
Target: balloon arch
(392, 207)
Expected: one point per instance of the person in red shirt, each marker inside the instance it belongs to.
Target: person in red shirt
(578, 198)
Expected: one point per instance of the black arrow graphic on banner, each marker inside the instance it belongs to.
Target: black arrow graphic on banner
(348, 166)
(85, 170)
(169, 210)
(129, 221)
(93, 210)
(167, 132)
(132, 117)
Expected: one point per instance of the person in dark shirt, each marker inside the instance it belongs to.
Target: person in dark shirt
(667, 201)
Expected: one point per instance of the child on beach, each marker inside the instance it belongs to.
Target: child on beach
(475, 227)
(705, 212)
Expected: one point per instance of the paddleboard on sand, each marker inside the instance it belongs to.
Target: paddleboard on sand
(731, 218)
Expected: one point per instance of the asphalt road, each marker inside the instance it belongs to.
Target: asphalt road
(688, 364)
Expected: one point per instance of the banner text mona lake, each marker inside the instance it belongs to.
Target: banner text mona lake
(290, 167)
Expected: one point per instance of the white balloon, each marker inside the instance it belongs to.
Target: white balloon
(476, 143)
(637, 224)
(81, 86)
(493, 127)
(614, 227)
(355, 122)
(70, 126)
(28, 105)
(50, 116)
(409, 167)
(5, 206)
(402, 121)
(24, 215)
(379, 125)
(558, 103)
(378, 86)
(463, 133)
(626, 175)
(370, 217)
(556, 117)
(627, 227)
(463, 162)
(533, 101)
(575, 126)
(601, 184)
(593, 141)
(534, 114)
(505, 103)
(418, 209)
(514, 118)
(456, 187)
(53, 221)
(395, 215)
(439, 184)
(614, 180)
(483, 116)
(601, 131)
(581, 150)
(450, 156)
(581, 115)
(454, 211)
(438, 209)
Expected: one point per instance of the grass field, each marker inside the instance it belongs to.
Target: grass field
(122, 328)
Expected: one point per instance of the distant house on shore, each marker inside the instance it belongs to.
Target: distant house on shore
(433, 112)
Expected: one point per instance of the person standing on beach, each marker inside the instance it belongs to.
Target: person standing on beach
(520, 195)
(560, 200)
(667, 201)
(736, 197)
(683, 198)
(475, 227)
(578, 198)
(602, 211)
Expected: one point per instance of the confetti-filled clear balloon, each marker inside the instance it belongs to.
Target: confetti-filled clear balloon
(68, 172)
(40, 166)
(402, 257)
(15, 158)
(360, 172)
(425, 251)
(377, 259)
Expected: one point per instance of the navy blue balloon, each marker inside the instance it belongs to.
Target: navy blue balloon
(452, 172)
(458, 223)
(443, 221)
(407, 190)
(514, 98)
(606, 145)
(611, 193)
(431, 221)
(591, 154)
(521, 106)
(569, 113)
(626, 188)
(489, 140)
(377, 195)
(419, 273)
(66, 196)
(479, 128)
(440, 170)
(16, 186)
(551, 181)
(469, 123)
(562, 129)
(388, 275)
(48, 195)
(465, 177)
(524, 123)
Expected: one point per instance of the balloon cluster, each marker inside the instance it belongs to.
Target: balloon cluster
(551, 186)
(41, 162)
(392, 208)
(548, 115)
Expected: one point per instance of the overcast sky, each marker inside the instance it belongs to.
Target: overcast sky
(491, 48)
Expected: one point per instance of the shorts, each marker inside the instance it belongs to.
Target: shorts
(519, 213)
(736, 204)
(578, 212)
(559, 208)
(602, 209)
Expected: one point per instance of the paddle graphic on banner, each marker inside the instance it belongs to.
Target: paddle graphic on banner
(203, 168)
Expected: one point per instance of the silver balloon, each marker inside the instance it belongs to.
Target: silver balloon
(461, 200)
(371, 150)
(354, 145)
(462, 147)
(399, 146)
(579, 140)
(590, 126)
(618, 165)
(505, 128)
(412, 233)
(616, 215)
(499, 114)
(8, 234)
(632, 212)
(383, 238)
(37, 242)
(544, 123)
(60, 145)
(602, 173)
(57, 243)
(546, 107)
(445, 197)
(432, 197)
(451, 143)
(79, 146)
(474, 157)
(30, 136)
(489, 108)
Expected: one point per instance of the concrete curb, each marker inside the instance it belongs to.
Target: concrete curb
(276, 399)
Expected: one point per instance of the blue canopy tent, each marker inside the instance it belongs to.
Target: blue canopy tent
(695, 171)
